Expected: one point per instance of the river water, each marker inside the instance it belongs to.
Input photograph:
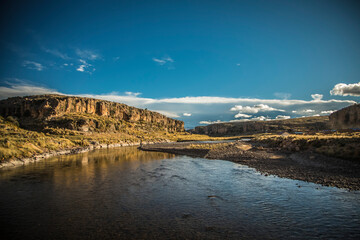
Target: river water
(125, 193)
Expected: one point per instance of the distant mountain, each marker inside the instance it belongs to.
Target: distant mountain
(303, 124)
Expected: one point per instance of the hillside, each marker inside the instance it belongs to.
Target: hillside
(348, 117)
(83, 114)
(46, 123)
(304, 124)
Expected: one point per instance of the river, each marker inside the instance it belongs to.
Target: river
(125, 193)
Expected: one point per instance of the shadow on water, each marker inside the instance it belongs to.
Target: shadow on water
(125, 193)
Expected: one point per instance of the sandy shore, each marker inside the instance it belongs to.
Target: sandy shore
(303, 165)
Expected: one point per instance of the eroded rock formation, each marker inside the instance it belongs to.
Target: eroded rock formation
(288, 125)
(345, 118)
(45, 108)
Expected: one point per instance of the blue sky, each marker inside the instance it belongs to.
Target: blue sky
(252, 59)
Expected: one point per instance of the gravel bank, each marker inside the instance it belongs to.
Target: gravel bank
(302, 165)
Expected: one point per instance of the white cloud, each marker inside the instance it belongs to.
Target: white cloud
(327, 112)
(282, 117)
(135, 94)
(81, 68)
(242, 115)
(240, 120)
(187, 114)
(343, 89)
(168, 114)
(85, 67)
(21, 89)
(87, 54)
(317, 97)
(260, 118)
(210, 122)
(254, 109)
(205, 107)
(308, 111)
(33, 65)
(165, 61)
(238, 64)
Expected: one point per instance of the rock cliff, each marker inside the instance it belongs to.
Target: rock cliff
(52, 109)
(345, 118)
(289, 125)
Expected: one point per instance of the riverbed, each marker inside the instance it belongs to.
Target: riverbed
(125, 193)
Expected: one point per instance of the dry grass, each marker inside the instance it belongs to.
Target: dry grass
(16, 142)
(342, 145)
(209, 146)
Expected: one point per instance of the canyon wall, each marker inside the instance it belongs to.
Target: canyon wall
(289, 125)
(345, 118)
(46, 107)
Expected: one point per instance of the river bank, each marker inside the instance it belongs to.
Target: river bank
(307, 166)
(17, 162)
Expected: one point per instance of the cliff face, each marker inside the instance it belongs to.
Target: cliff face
(44, 108)
(348, 117)
(238, 128)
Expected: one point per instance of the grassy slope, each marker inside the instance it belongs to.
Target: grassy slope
(341, 145)
(16, 142)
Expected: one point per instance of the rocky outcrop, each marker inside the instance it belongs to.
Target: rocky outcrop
(289, 125)
(345, 118)
(45, 108)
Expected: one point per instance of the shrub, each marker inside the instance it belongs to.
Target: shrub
(12, 120)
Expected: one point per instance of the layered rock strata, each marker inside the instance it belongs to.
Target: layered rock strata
(47, 107)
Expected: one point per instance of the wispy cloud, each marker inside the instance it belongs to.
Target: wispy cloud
(282, 95)
(278, 117)
(202, 108)
(134, 94)
(18, 87)
(87, 54)
(56, 53)
(343, 89)
(85, 67)
(327, 112)
(33, 65)
(165, 61)
(308, 111)
(166, 113)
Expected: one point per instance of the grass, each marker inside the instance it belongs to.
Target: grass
(341, 145)
(208, 146)
(16, 142)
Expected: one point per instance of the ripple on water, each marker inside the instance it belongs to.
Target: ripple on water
(129, 194)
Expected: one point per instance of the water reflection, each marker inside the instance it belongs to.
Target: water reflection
(129, 194)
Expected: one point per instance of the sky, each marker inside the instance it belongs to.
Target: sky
(196, 61)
